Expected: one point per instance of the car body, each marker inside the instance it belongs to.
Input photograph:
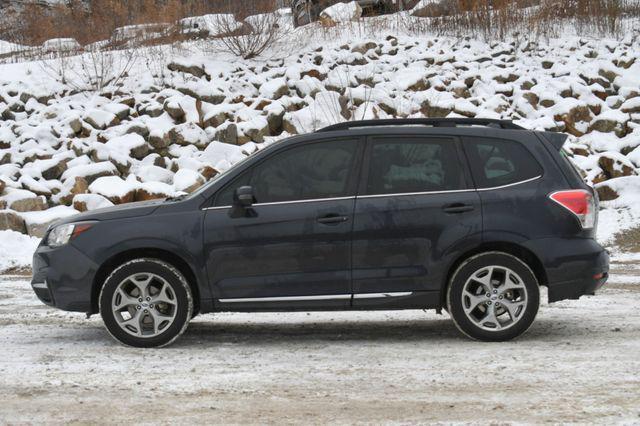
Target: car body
(339, 220)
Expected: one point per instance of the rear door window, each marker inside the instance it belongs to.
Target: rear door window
(414, 164)
(499, 162)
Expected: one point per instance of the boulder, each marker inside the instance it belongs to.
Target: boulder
(615, 165)
(9, 221)
(29, 204)
(195, 70)
(174, 109)
(186, 180)
(580, 113)
(227, 134)
(89, 202)
(606, 193)
(54, 169)
(340, 13)
(363, 48)
(100, 119)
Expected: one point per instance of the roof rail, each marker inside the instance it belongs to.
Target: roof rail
(434, 122)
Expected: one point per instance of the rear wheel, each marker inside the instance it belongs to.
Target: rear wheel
(146, 303)
(493, 296)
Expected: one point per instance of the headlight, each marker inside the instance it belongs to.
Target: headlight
(61, 235)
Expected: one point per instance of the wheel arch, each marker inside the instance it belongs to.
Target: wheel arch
(165, 255)
(514, 249)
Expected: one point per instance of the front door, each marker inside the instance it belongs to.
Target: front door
(414, 211)
(293, 246)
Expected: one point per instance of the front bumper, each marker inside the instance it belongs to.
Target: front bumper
(574, 267)
(63, 278)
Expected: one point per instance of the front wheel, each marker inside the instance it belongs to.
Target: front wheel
(146, 303)
(493, 297)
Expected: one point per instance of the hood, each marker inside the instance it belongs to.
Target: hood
(122, 211)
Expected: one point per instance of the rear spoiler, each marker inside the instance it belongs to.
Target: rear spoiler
(556, 139)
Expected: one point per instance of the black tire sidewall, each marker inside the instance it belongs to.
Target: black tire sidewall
(179, 286)
(456, 286)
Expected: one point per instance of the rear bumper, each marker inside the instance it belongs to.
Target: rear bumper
(574, 267)
(63, 277)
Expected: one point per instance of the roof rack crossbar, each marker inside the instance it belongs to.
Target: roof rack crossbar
(434, 122)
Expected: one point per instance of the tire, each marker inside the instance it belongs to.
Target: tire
(127, 303)
(512, 293)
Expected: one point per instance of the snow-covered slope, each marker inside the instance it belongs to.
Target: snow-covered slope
(181, 118)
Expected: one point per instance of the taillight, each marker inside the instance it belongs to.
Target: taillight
(579, 202)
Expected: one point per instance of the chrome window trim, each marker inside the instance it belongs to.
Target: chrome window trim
(400, 194)
(510, 184)
(352, 197)
(319, 297)
(404, 194)
(40, 285)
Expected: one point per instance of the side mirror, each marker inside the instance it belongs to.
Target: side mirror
(243, 197)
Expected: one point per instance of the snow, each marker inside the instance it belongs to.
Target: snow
(61, 44)
(48, 216)
(214, 24)
(16, 251)
(113, 186)
(577, 364)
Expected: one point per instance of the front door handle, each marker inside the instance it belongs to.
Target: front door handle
(332, 219)
(458, 208)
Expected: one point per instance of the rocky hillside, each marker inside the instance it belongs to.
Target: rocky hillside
(168, 131)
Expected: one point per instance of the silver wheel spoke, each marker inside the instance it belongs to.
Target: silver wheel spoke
(142, 284)
(512, 307)
(474, 300)
(163, 296)
(158, 319)
(125, 300)
(491, 317)
(135, 321)
(485, 280)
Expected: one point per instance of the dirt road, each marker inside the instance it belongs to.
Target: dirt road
(580, 362)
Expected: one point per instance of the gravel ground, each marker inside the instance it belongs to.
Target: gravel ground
(580, 362)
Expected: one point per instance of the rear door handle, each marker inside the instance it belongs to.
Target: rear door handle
(332, 219)
(458, 208)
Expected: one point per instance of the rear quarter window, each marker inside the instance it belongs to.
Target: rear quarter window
(499, 162)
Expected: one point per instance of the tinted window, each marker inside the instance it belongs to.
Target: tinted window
(319, 170)
(414, 165)
(496, 162)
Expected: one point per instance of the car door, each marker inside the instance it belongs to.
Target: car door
(293, 245)
(414, 213)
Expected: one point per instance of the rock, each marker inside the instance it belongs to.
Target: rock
(55, 170)
(631, 106)
(143, 194)
(606, 126)
(186, 180)
(153, 110)
(3, 204)
(363, 48)
(89, 202)
(159, 142)
(532, 98)
(32, 204)
(76, 125)
(99, 119)
(575, 115)
(227, 134)
(9, 221)
(174, 109)
(504, 79)
(615, 165)
(432, 111)
(547, 65)
(187, 134)
(608, 74)
(214, 119)
(340, 13)
(195, 70)
(606, 193)
(208, 172)
(2, 187)
(115, 189)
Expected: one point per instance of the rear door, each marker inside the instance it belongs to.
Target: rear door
(414, 212)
